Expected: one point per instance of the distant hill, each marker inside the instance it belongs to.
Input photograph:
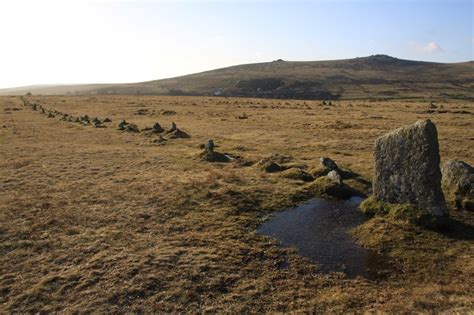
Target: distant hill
(377, 76)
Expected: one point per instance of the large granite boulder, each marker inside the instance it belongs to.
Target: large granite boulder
(407, 168)
(458, 184)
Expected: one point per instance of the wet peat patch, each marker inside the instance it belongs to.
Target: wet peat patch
(320, 230)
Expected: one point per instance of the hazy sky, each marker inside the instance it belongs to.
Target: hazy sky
(45, 42)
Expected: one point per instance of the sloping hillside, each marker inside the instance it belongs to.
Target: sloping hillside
(377, 76)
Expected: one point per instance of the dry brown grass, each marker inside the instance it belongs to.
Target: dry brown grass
(99, 220)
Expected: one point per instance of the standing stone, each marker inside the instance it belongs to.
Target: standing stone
(407, 168)
(209, 146)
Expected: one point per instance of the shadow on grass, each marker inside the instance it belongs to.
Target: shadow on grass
(455, 229)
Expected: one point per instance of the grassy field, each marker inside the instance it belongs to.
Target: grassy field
(100, 220)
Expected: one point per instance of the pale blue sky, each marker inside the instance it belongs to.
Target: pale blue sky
(46, 42)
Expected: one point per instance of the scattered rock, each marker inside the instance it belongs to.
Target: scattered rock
(160, 140)
(177, 134)
(334, 176)
(458, 184)
(173, 128)
(243, 116)
(407, 168)
(128, 127)
(107, 120)
(122, 124)
(328, 163)
(276, 162)
(99, 125)
(215, 157)
(210, 156)
(131, 128)
(157, 128)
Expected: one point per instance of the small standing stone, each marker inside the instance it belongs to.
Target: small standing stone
(335, 177)
(173, 127)
(328, 163)
(157, 128)
(209, 146)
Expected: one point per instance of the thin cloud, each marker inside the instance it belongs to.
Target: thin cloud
(428, 48)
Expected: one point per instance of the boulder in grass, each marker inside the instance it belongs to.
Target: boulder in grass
(334, 176)
(122, 124)
(177, 134)
(157, 128)
(210, 155)
(131, 128)
(458, 184)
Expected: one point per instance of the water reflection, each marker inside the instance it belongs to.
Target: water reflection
(319, 230)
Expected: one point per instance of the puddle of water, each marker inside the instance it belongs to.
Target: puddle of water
(319, 229)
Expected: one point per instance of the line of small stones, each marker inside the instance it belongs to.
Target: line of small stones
(98, 123)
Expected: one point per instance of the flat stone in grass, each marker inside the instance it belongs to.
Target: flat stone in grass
(407, 168)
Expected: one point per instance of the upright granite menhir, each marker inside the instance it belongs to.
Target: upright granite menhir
(407, 168)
